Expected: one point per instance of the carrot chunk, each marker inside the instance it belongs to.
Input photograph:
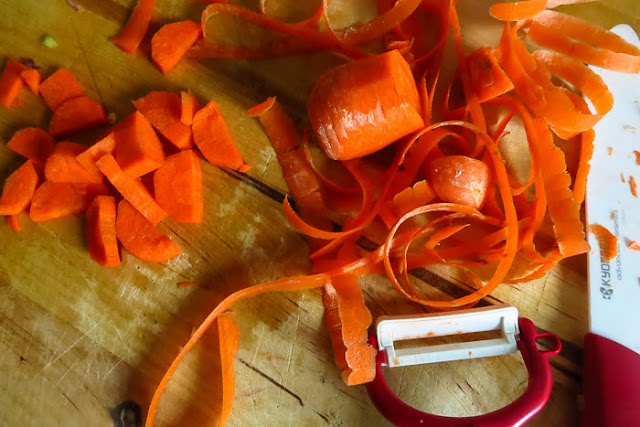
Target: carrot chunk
(62, 165)
(460, 179)
(11, 83)
(189, 107)
(136, 27)
(75, 115)
(164, 111)
(131, 189)
(60, 87)
(18, 189)
(212, 137)
(101, 231)
(57, 199)
(178, 187)
(362, 106)
(31, 78)
(138, 150)
(33, 143)
(91, 155)
(171, 42)
(141, 238)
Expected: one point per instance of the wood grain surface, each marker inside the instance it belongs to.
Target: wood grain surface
(82, 345)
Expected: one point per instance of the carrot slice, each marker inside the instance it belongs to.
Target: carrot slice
(138, 149)
(11, 82)
(91, 155)
(62, 165)
(178, 187)
(171, 42)
(164, 110)
(130, 37)
(460, 179)
(57, 199)
(18, 189)
(518, 10)
(229, 336)
(374, 102)
(101, 231)
(212, 137)
(31, 78)
(141, 238)
(75, 115)
(606, 239)
(131, 189)
(60, 87)
(487, 78)
(14, 222)
(189, 106)
(33, 143)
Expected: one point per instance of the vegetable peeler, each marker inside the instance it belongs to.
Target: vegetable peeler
(513, 334)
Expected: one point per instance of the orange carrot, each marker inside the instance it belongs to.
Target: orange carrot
(189, 107)
(460, 179)
(33, 143)
(91, 155)
(279, 127)
(14, 222)
(182, 285)
(212, 137)
(171, 42)
(163, 110)
(633, 186)
(637, 154)
(60, 87)
(229, 336)
(606, 239)
(487, 78)
(101, 231)
(138, 150)
(410, 198)
(18, 189)
(140, 237)
(135, 29)
(31, 78)
(75, 115)
(57, 199)
(62, 165)
(516, 11)
(131, 189)
(178, 187)
(632, 244)
(11, 82)
(362, 106)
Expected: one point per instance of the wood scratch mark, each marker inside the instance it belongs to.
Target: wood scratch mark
(86, 60)
(112, 368)
(272, 381)
(56, 358)
(67, 371)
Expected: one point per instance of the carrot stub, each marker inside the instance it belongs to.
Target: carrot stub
(57, 199)
(141, 238)
(164, 112)
(136, 27)
(11, 82)
(460, 179)
(606, 239)
(131, 189)
(171, 42)
(62, 165)
(178, 187)
(229, 336)
(189, 107)
(138, 150)
(33, 143)
(362, 106)
(31, 78)
(75, 115)
(60, 87)
(212, 137)
(101, 231)
(18, 189)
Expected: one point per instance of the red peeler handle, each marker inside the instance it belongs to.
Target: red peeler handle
(515, 414)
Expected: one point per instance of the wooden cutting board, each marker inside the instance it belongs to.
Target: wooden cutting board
(85, 345)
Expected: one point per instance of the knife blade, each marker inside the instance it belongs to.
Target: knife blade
(611, 370)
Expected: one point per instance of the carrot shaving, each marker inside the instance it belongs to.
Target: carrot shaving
(607, 241)
(518, 10)
(633, 186)
(187, 284)
(229, 336)
(632, 244)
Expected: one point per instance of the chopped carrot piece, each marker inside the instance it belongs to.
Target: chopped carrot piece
(633, 186)
(164, 110)
(91, 155)
(229, 336)
(60, 87)
(178, 187)
(75, 115)
(637, 154)
(131, 189)
(62, 165)
(14, 222)
(374, 102)
(633, 245)
(130, 37)
(57, 199)
(171, 42)
(487, 78)
(33, 143)
(138, 149)
(141, 238)
(460, 179)
(11, 83)
(31, 78)
(212, 137)
(101, 231)
(18, 189)
(189, 107)
(606, 239)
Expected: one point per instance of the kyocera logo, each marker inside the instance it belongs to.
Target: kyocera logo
(605, 276)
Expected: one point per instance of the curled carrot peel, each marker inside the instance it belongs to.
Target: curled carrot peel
(607, 241)
(517, 10)
(229, 336)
